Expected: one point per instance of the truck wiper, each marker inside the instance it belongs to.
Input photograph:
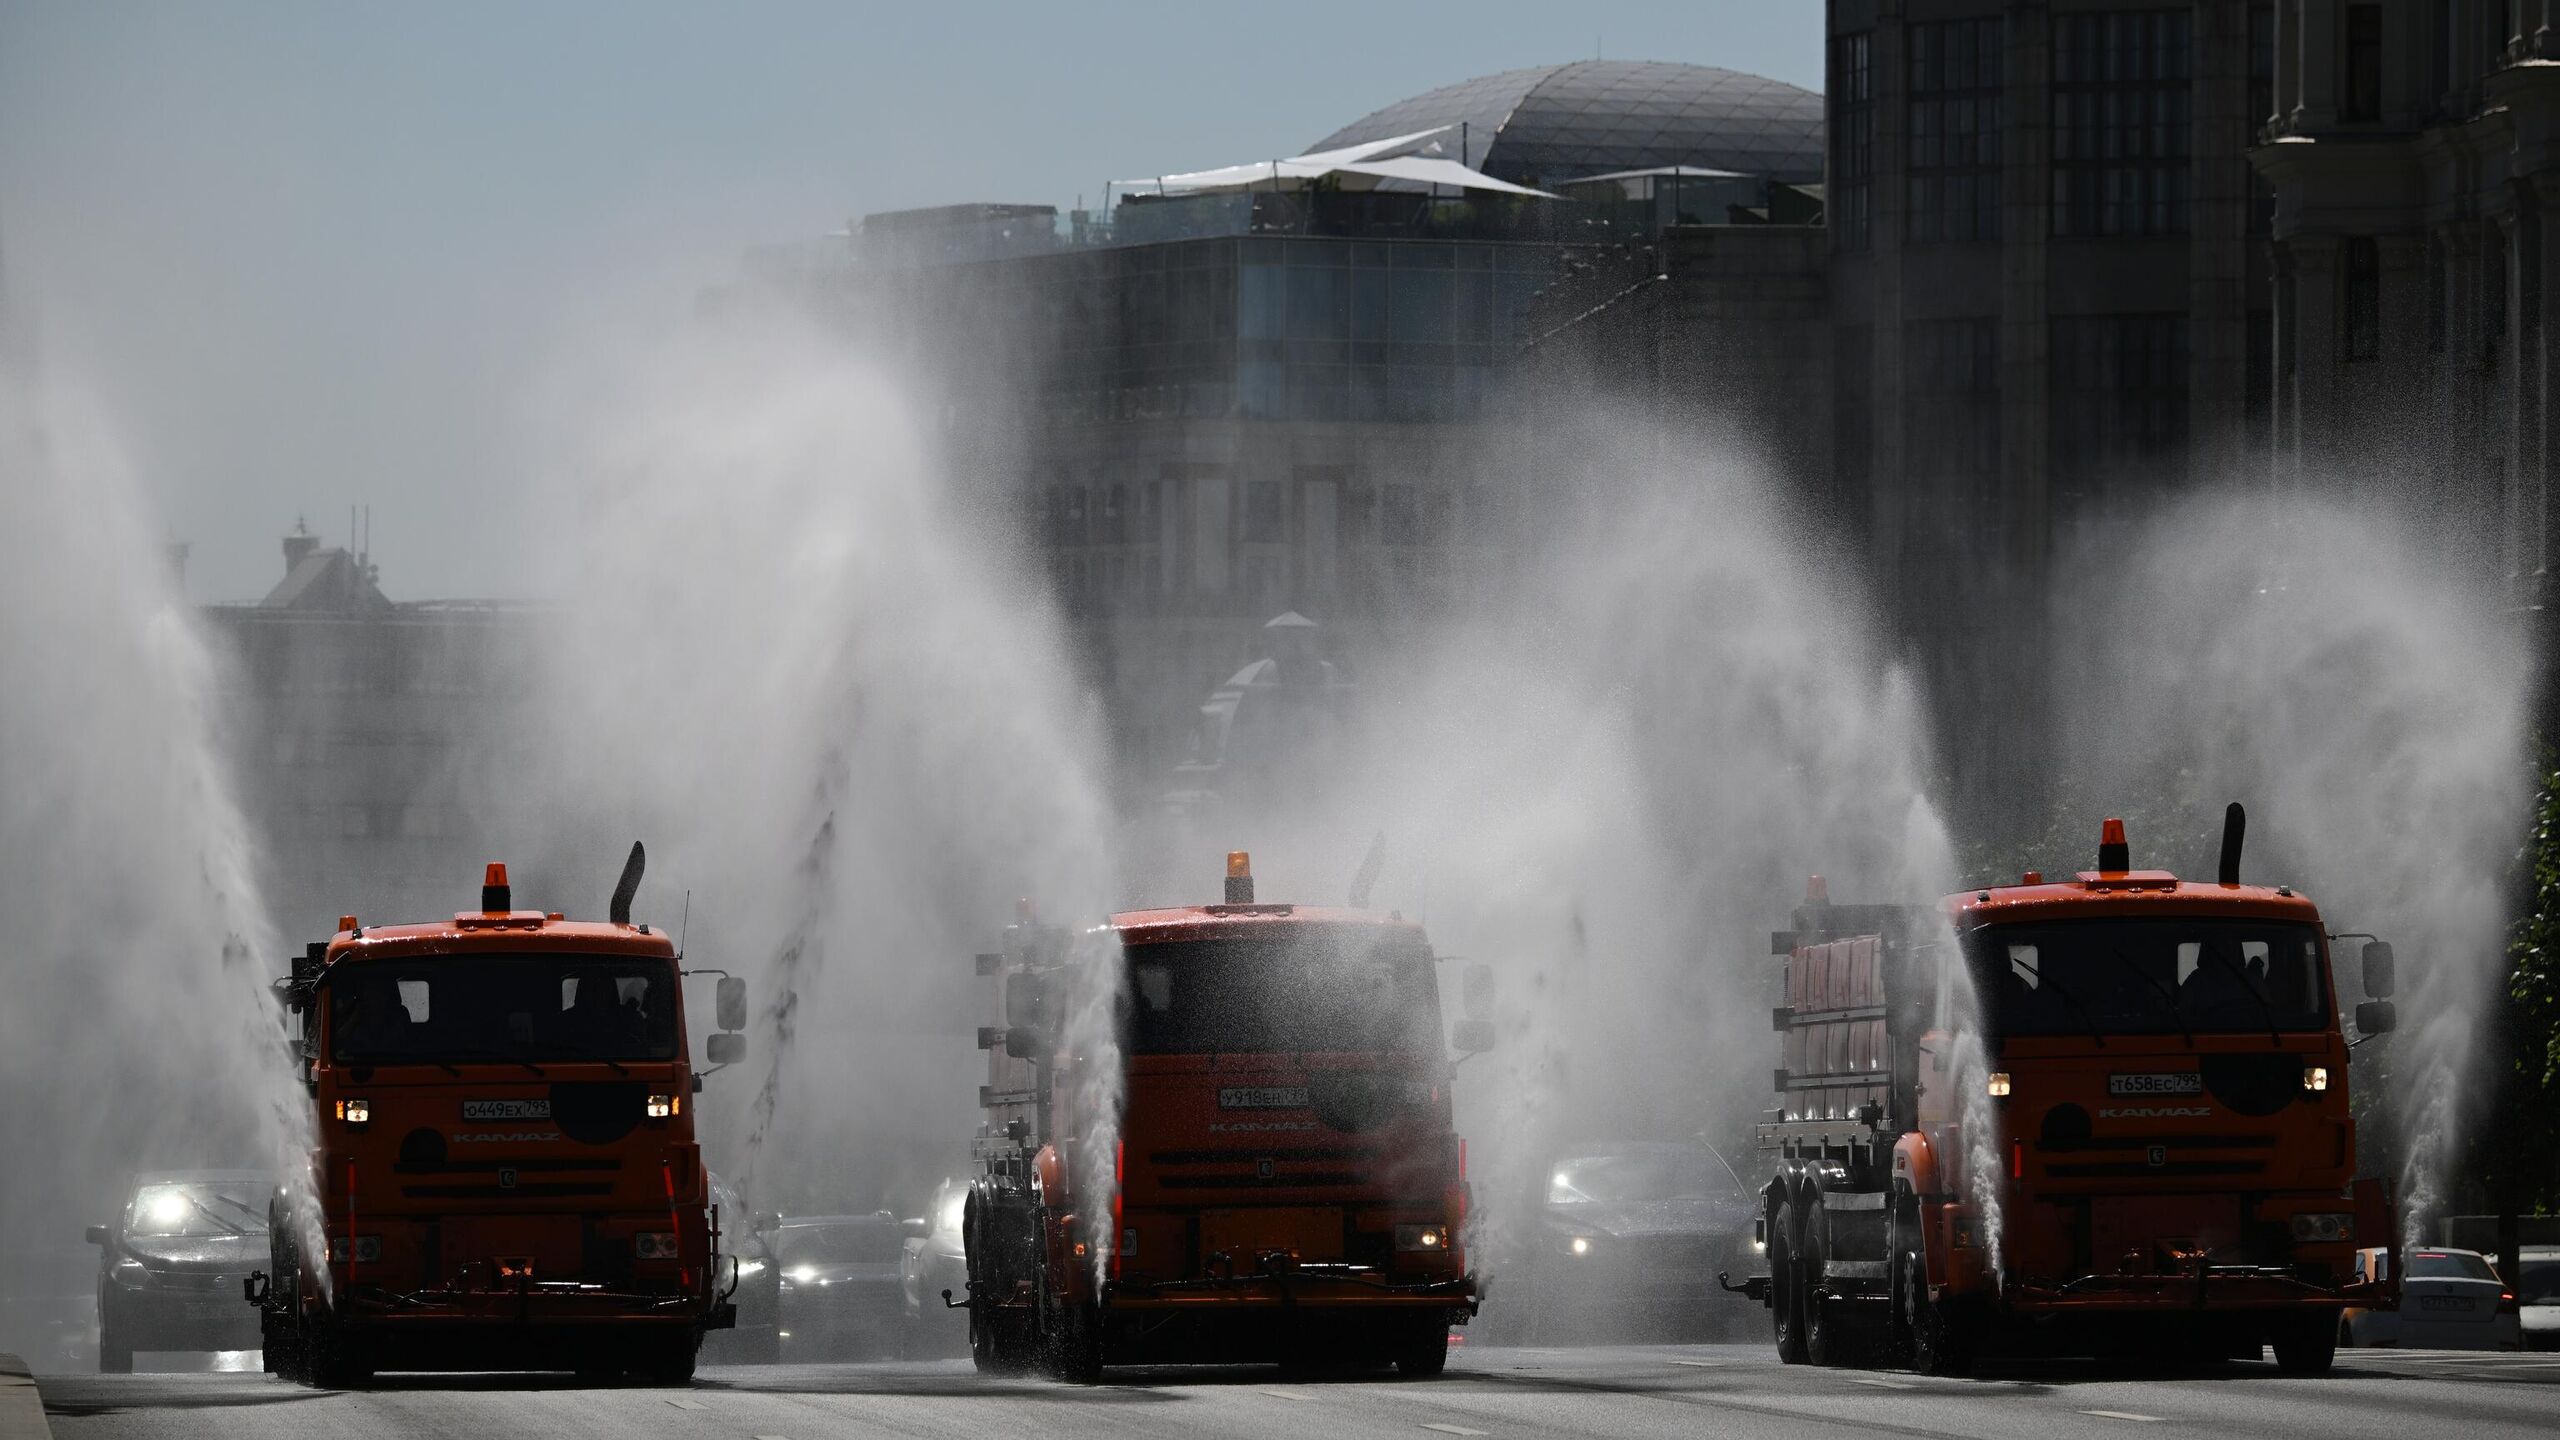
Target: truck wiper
(618, 1067)
(2275, 1033)
(486, 1053)
(2096, 1033)
(2163, 991)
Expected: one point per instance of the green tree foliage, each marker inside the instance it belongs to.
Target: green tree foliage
(2521, 1154)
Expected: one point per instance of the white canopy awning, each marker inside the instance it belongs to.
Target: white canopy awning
(1353, 167)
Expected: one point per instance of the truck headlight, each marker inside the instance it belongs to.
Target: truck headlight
(1996, 1085)
(749, 1269)
(662, 1106)
(1419, 1237)
(364, 1249)
(1579, 1245)
(356, 1112)
(654, 1245)
(2315, 1078)
(2316, 1229)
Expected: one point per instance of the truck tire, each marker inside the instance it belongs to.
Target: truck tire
(1786, 1286)
(671, 1360)
(1424, 1352)
(1941, 1343)
(2306, 1345)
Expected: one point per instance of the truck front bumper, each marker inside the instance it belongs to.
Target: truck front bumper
(546, 1304)
(2218, 1288)
(1301, 1289)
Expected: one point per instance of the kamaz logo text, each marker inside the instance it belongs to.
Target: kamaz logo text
(2158, 1112)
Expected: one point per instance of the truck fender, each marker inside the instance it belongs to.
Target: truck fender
(1915, 1163)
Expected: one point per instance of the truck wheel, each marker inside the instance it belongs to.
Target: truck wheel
(671, 1361)
(1941, 1344)
(2306, 1346)
(1786, 1288)
(1425, 1352)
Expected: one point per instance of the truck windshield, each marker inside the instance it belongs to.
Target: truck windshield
(522, 1009)
(1351, 989)
(2173, 975)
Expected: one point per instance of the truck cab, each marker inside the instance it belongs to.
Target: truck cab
(2159, 1092)
(503, 1170)
(1287, 1179)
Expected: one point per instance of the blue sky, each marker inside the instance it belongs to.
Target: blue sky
(312, 254)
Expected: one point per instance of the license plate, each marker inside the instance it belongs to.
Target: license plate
(506, 1109)
(2444, 1302)
(2174, 1082)
(1263, 1097)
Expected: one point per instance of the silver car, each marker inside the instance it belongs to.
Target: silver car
(2449, 1300)
(2538, 1297)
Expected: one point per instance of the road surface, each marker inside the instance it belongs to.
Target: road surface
(1621, 1391)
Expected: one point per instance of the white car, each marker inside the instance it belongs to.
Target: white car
(2449, 1300)
(2538, 1290)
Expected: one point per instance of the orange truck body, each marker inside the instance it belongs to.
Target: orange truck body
(2171, 1149)
(544, 1208)
(1267, 1202)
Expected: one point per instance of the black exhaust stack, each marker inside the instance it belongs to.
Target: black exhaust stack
(628, 886)
(2235, 825)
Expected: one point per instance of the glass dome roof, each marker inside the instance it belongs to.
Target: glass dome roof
(1552, 123)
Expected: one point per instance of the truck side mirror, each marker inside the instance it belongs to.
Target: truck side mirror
(1026, 1001)
(2375, 1017)
(2378, 969)
(1475, 993)
(1471, 1037)
(730, 999)
(728, 1047)
(100, 1235)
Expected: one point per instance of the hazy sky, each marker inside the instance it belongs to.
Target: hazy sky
(312, 255)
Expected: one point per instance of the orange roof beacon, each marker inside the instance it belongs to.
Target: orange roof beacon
(503, 1157)
(1286, 1179)
(2163, 1095)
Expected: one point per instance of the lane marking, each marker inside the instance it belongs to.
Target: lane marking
(684, 1402)
(1287, 1395)
(769, 1437)
(1702, 1364)
(1452, 1429)
(2123, 1415)
(1882, 1383)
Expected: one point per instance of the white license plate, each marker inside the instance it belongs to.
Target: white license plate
(506, 1109)
(2173, 1082)
(1263, 1097)
(2451, 1303)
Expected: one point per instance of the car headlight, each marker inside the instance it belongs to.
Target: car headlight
(1420, 1237)
(356, 1112)
(662, 1106)
(2315, 1078)
(130, 1271)
(2320, 1229)
(801, 1274)
(1578, 1245)
(654, 1245)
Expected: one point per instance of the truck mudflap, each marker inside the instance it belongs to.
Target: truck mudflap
(1310, 1285)
(2214, 1288)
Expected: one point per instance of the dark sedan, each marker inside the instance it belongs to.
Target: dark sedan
(841, 1298)
(1625, 1246)
(169, 1269)
(756, 1339)
(934, 1262)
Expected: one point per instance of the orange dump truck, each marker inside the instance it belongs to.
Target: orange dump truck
(2164, 1090)
(1287, 1181)
(503, 1156)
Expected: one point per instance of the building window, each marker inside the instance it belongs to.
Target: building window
(2120, 122)
(1852, 141)
(2119, 400)
(1954, 185)
(1853, 349)
(1115, 515)
(1265, 519)
(2363, 88)
(2361, 335)
(1951, 408)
